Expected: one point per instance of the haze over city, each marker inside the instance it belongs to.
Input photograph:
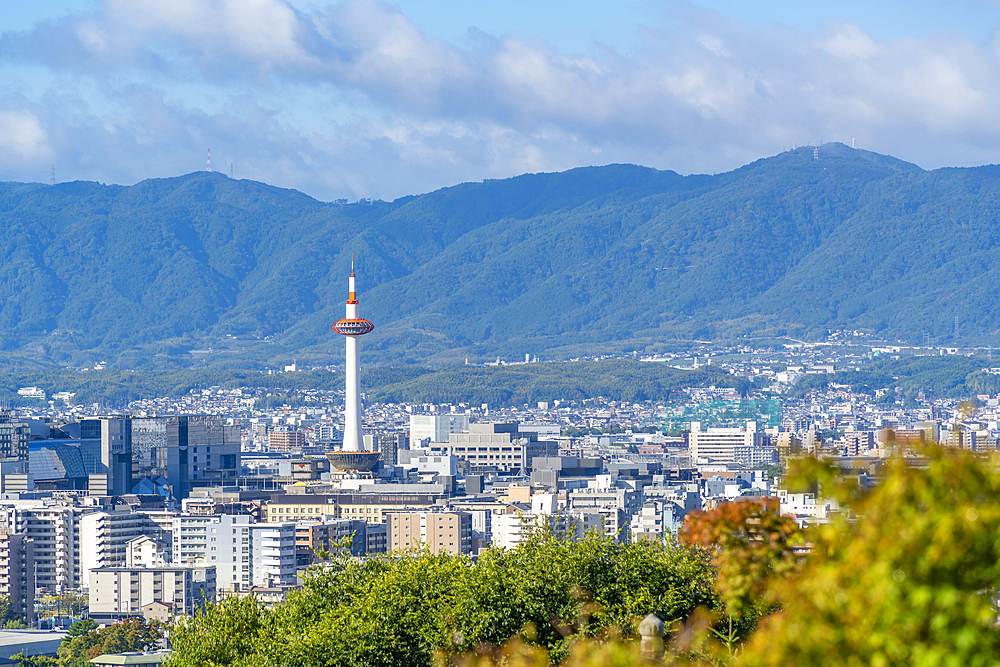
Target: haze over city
(369, 99)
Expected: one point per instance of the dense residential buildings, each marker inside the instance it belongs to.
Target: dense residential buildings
(212, 493)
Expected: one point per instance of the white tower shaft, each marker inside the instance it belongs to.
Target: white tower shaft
(353, 439)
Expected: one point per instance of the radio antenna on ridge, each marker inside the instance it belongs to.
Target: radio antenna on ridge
(210, 159)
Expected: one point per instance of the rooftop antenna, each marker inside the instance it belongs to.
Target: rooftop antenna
(210, 159)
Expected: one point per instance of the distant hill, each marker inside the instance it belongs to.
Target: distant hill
(600, 259)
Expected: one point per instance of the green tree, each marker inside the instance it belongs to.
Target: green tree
(405, 609)
(910, 579)
(85, 640)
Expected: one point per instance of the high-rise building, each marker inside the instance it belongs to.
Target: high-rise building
(244, 554)
(389, 444)
(17, 573)
(105, 536)
(187, 450)
(55, 532)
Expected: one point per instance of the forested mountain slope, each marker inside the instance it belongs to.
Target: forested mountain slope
(603, 258)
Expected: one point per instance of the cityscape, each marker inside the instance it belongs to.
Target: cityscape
(354, 333)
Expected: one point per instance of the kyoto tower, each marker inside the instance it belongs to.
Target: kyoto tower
(353, 326)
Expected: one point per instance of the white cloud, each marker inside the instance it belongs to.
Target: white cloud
(356, 100)
(22, 137)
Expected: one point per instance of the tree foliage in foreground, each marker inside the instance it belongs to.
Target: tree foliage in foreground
(403, 610)
(908, 575)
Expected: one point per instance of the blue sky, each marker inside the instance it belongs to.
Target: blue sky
(362, 98)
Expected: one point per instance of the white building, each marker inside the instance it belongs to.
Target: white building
(509, 530)
(121, 592)
(805, 508)
(244, 554)
(497, 447)
(55, 532)
(104, 538)
(657, 518)
(437, 428)
(721, 444)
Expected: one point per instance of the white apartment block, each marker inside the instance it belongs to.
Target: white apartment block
(104, 539)
(509, 530)
(244, 554)
(55, 533)
(721, 444)
(657, 518)
(273, 554)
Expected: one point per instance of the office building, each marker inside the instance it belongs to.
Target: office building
(286, 440)
(496, 447)
(437, 428)
(720, 444)
(186, 450)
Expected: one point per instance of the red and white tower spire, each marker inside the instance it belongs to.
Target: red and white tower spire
(351, 327)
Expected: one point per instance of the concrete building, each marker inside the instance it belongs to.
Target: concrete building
(656, 519)
(499, 447)
(370, 507)
(721, 444)
(286, 440)
(123, 592)
(616, 507)
(437, 428)
(187, 450)
(390, 444)
(319, 536)
(55, 532)
(509, 530)
(104, 539)
(17, 573)
(244, 554)
(440, 532)
(14, 436)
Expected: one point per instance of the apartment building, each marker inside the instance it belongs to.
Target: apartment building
(440, 532)
(17, 573)
(159, 593)
(244, 554)
(370, 507)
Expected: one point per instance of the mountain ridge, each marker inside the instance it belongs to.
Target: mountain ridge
(590, 260)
